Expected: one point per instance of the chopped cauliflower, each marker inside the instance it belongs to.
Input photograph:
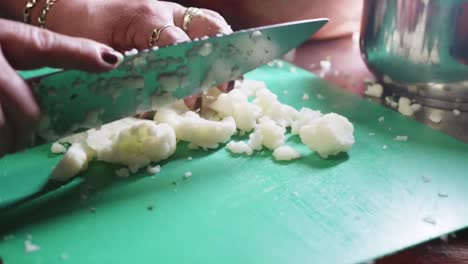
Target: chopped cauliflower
(57, 148)
(200, 132)
(328, 135)
(285, 152)
(374, 90)
(239, 148)
(406, 107)
(137, 143)
(250, 87)
(153, 170)
(283, 115)
(140, 144)
(74, 161)
(236, 104)
(306, 117)
(270, 134)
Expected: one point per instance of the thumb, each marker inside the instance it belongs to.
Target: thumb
(27, 47)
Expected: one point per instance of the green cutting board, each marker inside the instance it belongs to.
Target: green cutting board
(238, 209)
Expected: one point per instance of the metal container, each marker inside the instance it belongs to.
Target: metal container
(419, 48)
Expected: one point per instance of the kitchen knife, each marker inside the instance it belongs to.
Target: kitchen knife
(72, 101)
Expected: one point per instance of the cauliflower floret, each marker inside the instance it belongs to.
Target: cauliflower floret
(200, 132)
(74, 161)
(236, 104)
(268, 133)
(328, 135)
(283, 115)
(140, 144)
(250, 87)
(286, 153)
(306, 117)
(239, 148)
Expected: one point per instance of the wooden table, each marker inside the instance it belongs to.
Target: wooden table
(349, 71)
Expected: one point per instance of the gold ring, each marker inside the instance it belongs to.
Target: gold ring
(156, 34)
(188, 15)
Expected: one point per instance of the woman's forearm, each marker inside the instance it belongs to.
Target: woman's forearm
(12, 9)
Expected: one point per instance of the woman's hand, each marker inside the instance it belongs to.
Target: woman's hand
(27, 47)
(344, 15)
(125, 25)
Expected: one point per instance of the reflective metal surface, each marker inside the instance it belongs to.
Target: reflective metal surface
(419, 48)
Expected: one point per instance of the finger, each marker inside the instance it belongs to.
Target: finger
(18, 104)
(193, 102)
(5, 134)
(205, 23)
(227, 87)
(27, 47)
(150, 17)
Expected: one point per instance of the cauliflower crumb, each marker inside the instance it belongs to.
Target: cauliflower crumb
(239, 148)
(325, 65)
(381, 119)
(285, 92)
(153, 170)
(189, 158)
(406, 107)
(282, 114)
(306, 117)
(391, 102)
(122, 173)
(401, 138)
(456, 112)
(188, 174)
(328, 135)
(436, 117)
(235, 104)
(57, 148)
(384, 147)
(29, 247)
(74, 161)
(374, 90)
(305, 97)
(271, 134)
(285, 152)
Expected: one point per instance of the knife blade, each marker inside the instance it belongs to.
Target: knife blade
(72, 101)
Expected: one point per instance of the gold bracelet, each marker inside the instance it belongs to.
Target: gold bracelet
(42, 17)
(27, 11)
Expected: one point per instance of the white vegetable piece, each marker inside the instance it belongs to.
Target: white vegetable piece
(270, 134)
(140, 144)
(374, 90)
(285, 152)
(255, 141)
(436, 117)
(236, 104)
(200, 132)
(57, 148)
(29, 247)
(405, 107)
(328, 135)
(153, 170)
(239, 148)
(75, 160)
(250, 87)
(283, 115)
(306, 117)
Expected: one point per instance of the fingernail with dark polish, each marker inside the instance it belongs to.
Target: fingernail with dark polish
(112, 57)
